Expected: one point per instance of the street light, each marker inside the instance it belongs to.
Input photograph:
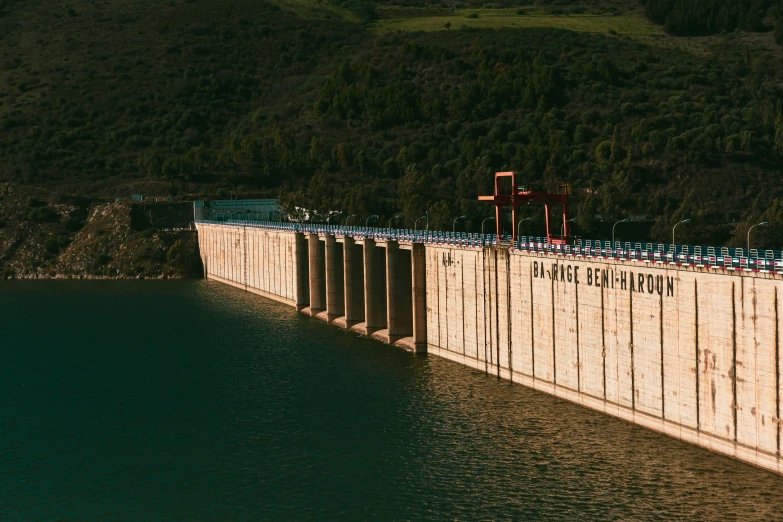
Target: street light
(395, 216)
(626, 220)
(562, 228)
(349, 218)
(485, 220)
(332, 215)
(416, 223)
(686, 221)
(762, 224)
(454, 223)
(367, 221)
(519, 225)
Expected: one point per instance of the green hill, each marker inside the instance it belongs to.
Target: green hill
(250, 97)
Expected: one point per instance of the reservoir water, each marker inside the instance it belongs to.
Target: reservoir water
(196, 401)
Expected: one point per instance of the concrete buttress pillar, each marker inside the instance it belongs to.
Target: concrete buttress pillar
(399, 316)
(353, 265)
(301, 271)
(419, 297)
(317, 275)
(335, 297)
(374, 288)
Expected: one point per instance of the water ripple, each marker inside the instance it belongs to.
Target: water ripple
(193, 400)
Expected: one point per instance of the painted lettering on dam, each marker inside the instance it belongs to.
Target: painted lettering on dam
(638, 282)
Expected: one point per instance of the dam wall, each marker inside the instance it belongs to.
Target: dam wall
(254, 259)
(689, 351)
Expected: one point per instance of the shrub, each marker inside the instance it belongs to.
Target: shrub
(71, 224)
(51, 246)
(43, 214)
(176, 251)
(473, 15)
(184, 257)
(101, 259)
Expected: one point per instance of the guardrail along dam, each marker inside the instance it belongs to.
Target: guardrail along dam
(690, 349)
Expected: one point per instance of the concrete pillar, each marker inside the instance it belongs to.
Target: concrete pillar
(317, 275)
(374, 287)
(301, 271)
(399, 315)
(353, 265)
(335, 296)
(419, 297)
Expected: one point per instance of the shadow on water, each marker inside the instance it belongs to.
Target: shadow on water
(194, 400)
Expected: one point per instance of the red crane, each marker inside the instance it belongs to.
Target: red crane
(521, 195)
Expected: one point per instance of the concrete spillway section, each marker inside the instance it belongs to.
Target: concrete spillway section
(374, 287)
(335, 281)
(353, 277)
(692, 352)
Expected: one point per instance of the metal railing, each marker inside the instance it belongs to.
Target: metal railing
(685, 255)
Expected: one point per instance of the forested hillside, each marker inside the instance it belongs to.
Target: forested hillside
(698, 17)
(310, 101)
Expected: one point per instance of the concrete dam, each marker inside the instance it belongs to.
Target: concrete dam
(686, 343)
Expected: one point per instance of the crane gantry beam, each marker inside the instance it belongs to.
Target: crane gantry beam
(526, 195)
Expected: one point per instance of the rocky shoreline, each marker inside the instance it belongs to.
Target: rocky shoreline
(48, 236)
(96, 277)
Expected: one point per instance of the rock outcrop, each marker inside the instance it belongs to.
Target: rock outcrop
(67, 237)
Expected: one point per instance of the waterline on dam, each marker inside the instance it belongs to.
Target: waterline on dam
(196, 400)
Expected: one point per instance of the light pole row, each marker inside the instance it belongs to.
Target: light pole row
(686, 221)
(626, 220)
(375, 217)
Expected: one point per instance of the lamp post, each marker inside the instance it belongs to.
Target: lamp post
(762, 224)
(562, 228)
(519, 225)
(367, 221)
(686, 221)
(395, 216)
(454, 223)
(485, 220)
(332, 215)
(416, 223)
(626, 220)
(349, 218)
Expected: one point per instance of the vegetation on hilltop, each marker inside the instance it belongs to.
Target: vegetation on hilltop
(700, 17)
(252, 97)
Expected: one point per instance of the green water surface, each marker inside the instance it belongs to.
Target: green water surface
(196, 401)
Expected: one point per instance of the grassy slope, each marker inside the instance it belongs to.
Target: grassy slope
(629, 24)
(315, 10)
